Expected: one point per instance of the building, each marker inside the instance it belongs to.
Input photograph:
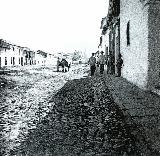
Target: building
(29, 56)
(132, 33)
(51, 59)
(40, 57)
(11, 55)
(104, 38)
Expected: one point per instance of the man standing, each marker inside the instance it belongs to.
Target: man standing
(102, 62)
(92, 62)
(110, 64)
(119, 65)
(58, 64)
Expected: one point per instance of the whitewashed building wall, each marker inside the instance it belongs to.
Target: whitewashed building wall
(12, 56)
(135, 55)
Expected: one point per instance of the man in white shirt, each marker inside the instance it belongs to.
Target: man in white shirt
(102, 62)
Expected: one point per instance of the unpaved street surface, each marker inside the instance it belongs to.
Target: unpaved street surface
(25, 95)
(85, 121)
(48, 113)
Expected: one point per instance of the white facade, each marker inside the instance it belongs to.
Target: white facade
(11, 57)
(135, 55)
(142, 56)
(40, 59)
(104, 41)
(51, 59)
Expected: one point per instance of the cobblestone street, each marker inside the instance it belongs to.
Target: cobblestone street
(47, 113)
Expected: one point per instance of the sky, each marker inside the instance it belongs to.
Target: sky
(53, 25)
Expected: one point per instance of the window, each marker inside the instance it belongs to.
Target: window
(22, 61)
(11, 60)
(128, 33)
(5, 60)
(19, 60)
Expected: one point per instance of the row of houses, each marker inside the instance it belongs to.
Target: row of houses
(132, 29)
(13, 55)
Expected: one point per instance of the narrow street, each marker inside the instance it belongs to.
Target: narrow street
(48, 113)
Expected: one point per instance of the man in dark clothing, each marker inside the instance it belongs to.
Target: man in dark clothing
(110, 64)
(119, 65)
(58, 64)
(92, 62)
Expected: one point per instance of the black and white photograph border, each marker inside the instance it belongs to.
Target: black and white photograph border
(80, 78)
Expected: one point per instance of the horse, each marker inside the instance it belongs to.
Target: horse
(64, 64)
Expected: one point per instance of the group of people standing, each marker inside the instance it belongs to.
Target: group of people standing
(101, 61)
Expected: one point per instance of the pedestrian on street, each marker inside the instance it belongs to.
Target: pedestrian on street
(92, 62)
(110, 64)
(97, 58)
(102, 62)
(119, 65)
(58, 64)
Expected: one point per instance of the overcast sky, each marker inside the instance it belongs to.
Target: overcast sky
(53, 25)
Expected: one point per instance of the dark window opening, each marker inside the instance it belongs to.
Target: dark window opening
(11, 60)
(19, 60)
(5, 60)
(128, 33)
(22, 61)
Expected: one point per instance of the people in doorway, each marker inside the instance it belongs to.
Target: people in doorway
(119, 65)
(92, 63)
(102, 62)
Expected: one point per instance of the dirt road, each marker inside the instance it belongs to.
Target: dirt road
(25, 94)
